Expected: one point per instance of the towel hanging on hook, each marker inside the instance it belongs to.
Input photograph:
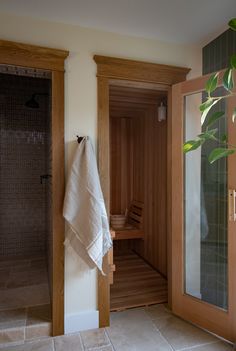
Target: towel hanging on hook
(84, 208)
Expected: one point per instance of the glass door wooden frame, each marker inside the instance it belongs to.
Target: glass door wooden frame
(205, 315)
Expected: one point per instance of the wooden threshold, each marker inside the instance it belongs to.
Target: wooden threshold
(136, 283)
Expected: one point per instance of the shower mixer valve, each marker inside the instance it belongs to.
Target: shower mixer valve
(44, 176)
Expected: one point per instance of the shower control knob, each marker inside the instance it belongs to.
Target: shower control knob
(44, 176)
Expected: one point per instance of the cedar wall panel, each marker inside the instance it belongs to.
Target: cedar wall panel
(121, 169)
(143, 139)
(152, 179)
(138, 164)
(121, 164)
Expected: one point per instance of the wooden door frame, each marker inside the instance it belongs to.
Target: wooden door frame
(118, 71)
(12, 53)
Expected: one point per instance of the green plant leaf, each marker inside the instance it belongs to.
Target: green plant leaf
(232, 23)
(212, 82)
(213, 118)
(218, 153)
(228, 79)
(209, 134)
(224, 138)
(191, 145)
(234, 114)
(206, 106)
(233, 61)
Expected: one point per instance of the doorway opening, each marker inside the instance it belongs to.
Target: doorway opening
(142, 75)
(138, 192)
(26, 201)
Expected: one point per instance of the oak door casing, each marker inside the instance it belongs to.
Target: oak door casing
(58, 190)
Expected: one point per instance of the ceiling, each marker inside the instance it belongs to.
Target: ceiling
(131, 95)
(129, 102)
(179, 21)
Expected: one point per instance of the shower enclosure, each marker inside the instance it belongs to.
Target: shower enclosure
(25, 198)
(41, 63)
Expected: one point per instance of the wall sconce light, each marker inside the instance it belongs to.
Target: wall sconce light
(161, 112)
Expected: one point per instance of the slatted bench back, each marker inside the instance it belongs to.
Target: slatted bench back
(135, 214)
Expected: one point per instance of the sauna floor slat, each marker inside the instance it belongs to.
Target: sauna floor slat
(136, 283)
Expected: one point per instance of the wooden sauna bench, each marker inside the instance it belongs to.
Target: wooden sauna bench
(133, 227)
(136, 283)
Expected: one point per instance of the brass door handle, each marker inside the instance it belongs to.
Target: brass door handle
(232, 205)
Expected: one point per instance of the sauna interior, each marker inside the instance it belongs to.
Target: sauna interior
(25, 202)
(138, 188)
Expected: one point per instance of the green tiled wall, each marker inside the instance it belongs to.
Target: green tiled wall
(214, 260)
(216, 54)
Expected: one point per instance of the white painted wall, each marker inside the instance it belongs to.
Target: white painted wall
(81, 103)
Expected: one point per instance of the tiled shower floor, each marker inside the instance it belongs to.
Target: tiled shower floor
(24, 299)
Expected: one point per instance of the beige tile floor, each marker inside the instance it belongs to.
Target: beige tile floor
(144, 329)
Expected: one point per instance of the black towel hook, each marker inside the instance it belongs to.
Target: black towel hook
(79, 138)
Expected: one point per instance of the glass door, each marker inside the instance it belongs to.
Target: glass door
(203, 221)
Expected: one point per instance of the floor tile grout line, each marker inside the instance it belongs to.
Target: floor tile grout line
(25, 332)
(163, 337)
(158, 330)
(149, 319)
(199, 345)
(102, 346)
(81, 341)
(218, 340)
(189, 347)
(113, 347)
(11, 344)
(53, 343)
(97, 348)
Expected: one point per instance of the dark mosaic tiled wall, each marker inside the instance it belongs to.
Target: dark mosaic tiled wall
(24, 143)
(216, 54)
(214, 268)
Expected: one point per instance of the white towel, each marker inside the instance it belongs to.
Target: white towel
(84, 208)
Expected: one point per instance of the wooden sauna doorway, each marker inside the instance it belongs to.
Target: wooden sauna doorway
(113, 71)
(138, 187)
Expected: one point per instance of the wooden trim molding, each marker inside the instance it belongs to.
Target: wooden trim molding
(103, 138)
(111, 70)
(18, 54)
(104, 169)
(58, 191)
(117, 68)
(169, 195)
